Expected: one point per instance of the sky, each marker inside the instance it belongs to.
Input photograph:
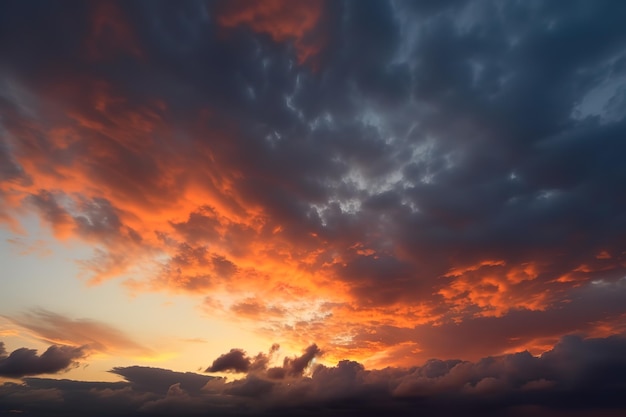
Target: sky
(313, 207)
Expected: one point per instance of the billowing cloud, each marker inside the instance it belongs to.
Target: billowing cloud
(394, 180)
(235, 360)
(297, 365)
(238, 361)
(24, 361)
(584, 374)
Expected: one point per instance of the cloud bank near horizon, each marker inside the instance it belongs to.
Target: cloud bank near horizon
(409, 165)
(583, 375)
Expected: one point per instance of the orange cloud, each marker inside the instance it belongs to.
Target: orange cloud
(182, 215)
(110, 34)
(284, 21)
(93, 335)
(495, 288)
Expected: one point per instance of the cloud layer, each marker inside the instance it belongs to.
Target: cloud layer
(394, 180)
(577, 377)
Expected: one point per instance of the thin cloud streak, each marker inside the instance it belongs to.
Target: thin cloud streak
(90, 334)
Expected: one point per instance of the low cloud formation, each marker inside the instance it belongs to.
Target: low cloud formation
(296, 366)
(386, 164)
(578, 376)
(159, 380)
(24, 361)
(237, 361)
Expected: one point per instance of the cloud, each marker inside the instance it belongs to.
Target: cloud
(258, 366)
(159, 381)
(24, 361)
(238, 361)
(91, 334)
(295, 366)
(295, 22)
(578, 375)
(404, 173)
(235, 360)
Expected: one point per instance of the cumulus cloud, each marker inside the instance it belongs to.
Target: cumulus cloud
(297, 365)
(237, 361)
(24, 361)
(585, 374)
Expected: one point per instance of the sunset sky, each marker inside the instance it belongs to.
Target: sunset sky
(309, 207)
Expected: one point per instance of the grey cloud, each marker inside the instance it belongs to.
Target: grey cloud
(235, 360)
(251, 386)
(435, 134)
(24, 361)
(238, 361)
(159, 381)
(296, 366)
(585, 374)
(443, 130)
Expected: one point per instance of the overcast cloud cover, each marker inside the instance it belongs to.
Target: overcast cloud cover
(378, 182)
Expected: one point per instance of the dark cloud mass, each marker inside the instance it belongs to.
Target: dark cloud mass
(577, 377)
(24, 361)
(235, 360)
(159, 381)
(238, 361)
(395, 180)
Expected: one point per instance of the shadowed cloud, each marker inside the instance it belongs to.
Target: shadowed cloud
(583, 374)
(394, 180)
(24, 361)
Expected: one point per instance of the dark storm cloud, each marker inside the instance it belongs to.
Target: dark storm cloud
(295, 366)
(433, 133)
(235, 360)
(238, 361)
(577, 374)
(24, 361)
(158, 381)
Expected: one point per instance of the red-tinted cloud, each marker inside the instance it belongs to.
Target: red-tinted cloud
(295, 21)
(110, 35)
(91, 335)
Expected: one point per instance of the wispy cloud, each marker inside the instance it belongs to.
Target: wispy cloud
(92, 335)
